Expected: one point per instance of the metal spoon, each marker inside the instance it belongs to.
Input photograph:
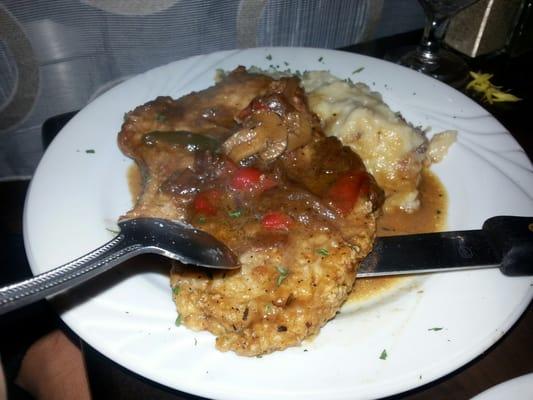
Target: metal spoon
(174, 240)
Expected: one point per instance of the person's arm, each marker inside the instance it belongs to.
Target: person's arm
(53, 369)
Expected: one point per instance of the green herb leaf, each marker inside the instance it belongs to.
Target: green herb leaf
(201, 219)
(358, 70)
(283, 273)
(320, 59)
(383, 355)
(176, 290)
(178, 320)
(90, 151)
(323, 252)
(269, 57)
(235, 214)
(286, 63)
(435, 329)
(160, 117)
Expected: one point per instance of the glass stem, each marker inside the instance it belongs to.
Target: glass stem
(430, 44)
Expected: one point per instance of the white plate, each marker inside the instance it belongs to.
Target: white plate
(520, 388)
(129, 317)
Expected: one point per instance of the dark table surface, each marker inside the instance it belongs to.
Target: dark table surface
(510, 357)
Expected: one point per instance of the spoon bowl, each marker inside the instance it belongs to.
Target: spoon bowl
(175, 240)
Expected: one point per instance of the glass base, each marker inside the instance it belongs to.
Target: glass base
(444, 66)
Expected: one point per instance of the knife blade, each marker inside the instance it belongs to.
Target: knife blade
(503, 242)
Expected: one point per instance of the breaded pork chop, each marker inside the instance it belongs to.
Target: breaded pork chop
(296, 207)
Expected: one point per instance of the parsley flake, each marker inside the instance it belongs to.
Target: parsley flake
(320, 59)
(160, 117)
(269, 57)
(283, 273)
(323, 252)
(90, 151)
(202, 219)
(383, 355)
(356, 71)
(178, 320)
(176, 290)
(235, 214)
(435, 329)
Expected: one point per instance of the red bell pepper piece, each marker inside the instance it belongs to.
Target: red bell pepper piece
(205, 202)
(345, 192)
(276, 221)
(248, 178)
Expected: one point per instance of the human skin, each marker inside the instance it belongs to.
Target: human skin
(53, 369)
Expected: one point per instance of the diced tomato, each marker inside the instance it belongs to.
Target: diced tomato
(276, 221)
(204, 202)
(251, 179)
(346, 190)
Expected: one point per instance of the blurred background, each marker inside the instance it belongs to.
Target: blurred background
(55, 56)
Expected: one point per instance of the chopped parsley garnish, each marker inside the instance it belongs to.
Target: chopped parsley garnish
(283, 273)
(356, 71)
(286, 63)
(320, 59)
(323, 252)
(176, 290)
(383, 355)
(269, 57)
(90, 151)
(235, 214)
(435, 329)
(201, 219)
(160, 117)
(178, 320)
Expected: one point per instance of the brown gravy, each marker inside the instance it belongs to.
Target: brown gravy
(430, 217)
(134, 182)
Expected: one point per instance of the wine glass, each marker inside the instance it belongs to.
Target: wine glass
(429, 58)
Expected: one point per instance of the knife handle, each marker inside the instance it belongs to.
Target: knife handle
(512, 239)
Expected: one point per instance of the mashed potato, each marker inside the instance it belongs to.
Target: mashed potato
(393, 150)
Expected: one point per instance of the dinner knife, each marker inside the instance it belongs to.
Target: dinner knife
(503, 242)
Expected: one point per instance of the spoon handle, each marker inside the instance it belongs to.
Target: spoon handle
(68, 275)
